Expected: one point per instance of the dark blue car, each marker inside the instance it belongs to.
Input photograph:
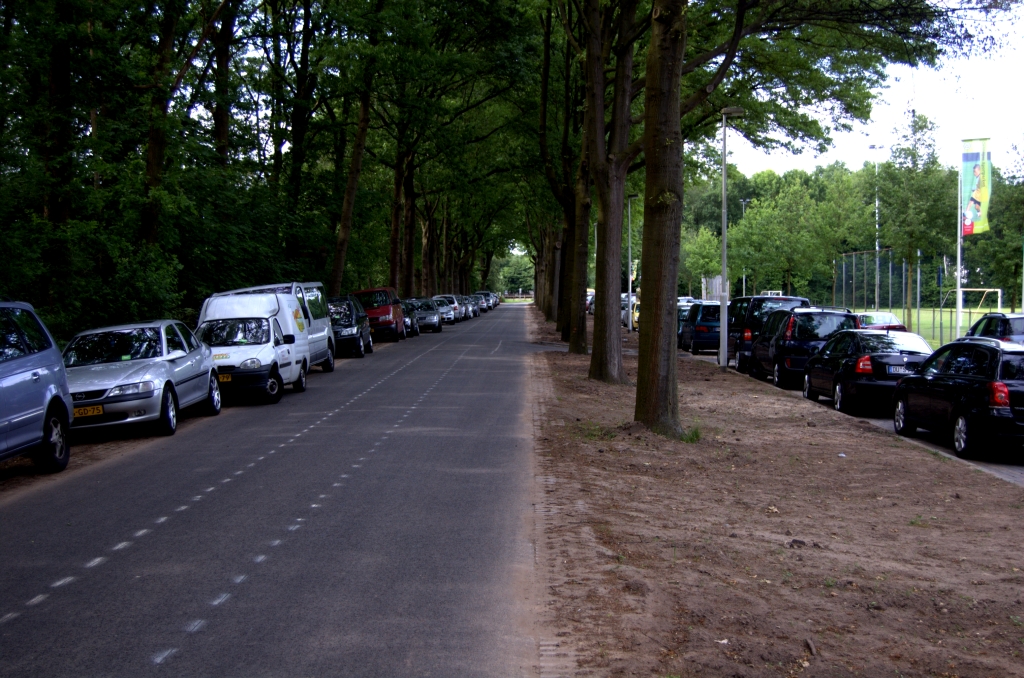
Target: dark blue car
(699, 331)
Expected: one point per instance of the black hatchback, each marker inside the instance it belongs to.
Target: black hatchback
(789, 338)
(971, 389)
(855, 367)
(1002, 326)
(746, 318)
(350, 325)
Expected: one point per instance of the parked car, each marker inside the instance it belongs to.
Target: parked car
(445, 309)
(790, 337)
(385, 311)
(746, 318)
(351, 326)
(880, 320)
(428, 314)
(458, 308)
(627, 311)
(700, 329)
(261, 342)
(856, 367)
(481, 302)
(142, 372)
(472, 305)
(412, 325)
(681, 312)
(971, 389)
(489, 298)
(1002, 326)
(36, 407)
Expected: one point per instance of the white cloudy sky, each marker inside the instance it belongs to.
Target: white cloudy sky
(970, 98)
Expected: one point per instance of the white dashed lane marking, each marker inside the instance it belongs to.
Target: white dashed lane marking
(62, 582)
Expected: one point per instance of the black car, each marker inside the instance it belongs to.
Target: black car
(428, 315)
(746, 318)
(699, 329)
(412, 325)
(790, 337)
(1002, 326)
(855, 367)
(351, 325)
(971, 389)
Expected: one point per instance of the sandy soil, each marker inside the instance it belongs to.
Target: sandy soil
(789, 540)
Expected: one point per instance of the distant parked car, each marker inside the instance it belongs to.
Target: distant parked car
(880, 320)
(1002, 326)
(385, 311)
(446, 311)
(412, 325)
(428, 314)
(857, 367)
(971, 389)
(142, 372)
(489, 298)
(746, 318)
(458, 308)
(351, 326)
(35, 399)
(790, 337)
(700, 330)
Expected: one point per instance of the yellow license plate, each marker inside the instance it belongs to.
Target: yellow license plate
(90, 411)
(223, 377)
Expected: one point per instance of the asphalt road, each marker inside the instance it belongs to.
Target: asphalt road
(372, 526)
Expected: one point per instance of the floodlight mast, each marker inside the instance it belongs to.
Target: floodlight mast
(723, 314)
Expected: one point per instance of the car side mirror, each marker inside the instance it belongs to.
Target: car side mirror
(815, 350)
(176, 355)
(289, 338)
(361, 316)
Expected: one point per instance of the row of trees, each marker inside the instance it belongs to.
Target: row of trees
(152, 153)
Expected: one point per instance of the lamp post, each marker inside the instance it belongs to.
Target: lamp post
(723, 311)
(629, 260)
(878, 250)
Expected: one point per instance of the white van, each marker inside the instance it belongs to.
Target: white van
(260, 341)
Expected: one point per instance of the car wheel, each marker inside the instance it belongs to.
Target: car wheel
(168, 422)
(808, 393)
(360, 349)
(900, 423)
(299, 385)
(964, 438)
(439, 326)
(275, 387)
(53, 453)
(741, 365)
(368, 346)
(777, 377)
(841, 401)
(416, 331)
(213, 398)
(693, 348)
(328, 364)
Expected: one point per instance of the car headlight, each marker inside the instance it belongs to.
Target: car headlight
(347, 331)
(432, 319)
(132, 389)
(386, 318)
(251, 364)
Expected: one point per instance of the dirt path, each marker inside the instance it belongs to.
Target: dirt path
(788, 540)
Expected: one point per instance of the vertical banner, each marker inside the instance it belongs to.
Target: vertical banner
(975, 186)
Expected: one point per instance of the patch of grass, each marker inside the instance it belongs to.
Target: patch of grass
(830, 582)
(938, 455)
(591, 430)
(919, 521)
(1016, 620)
(691, 435)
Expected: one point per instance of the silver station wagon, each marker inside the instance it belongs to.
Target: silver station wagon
(143, 372)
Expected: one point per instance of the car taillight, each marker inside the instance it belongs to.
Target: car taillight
(863, 365)
(702, 328)
(748, 335)
(998, 394)
(788, 336)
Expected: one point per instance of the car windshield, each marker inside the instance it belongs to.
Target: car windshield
(138, 343)
(422, 304)
(764, 307)
(374, 299)
(1012, 367)
(710, 313)
(879, 319)
(819, 326)
(235, 332)
(895, 342)
(341, 314)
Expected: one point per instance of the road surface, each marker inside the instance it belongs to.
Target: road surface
(372, 526)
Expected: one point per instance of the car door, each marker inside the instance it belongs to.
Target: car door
(197, 382)
(282, 350)
(182, 370)
(761, 351)
(689, 326)
(819, 372)
(28, 379)
(847, 348)
(926, 400)
(737, 317)
(969, 370)
(319, 324)
(12, 355)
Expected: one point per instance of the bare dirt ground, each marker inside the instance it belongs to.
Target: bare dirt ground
(789, 540)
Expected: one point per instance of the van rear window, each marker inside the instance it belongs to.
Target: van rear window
(764, 307)
(710, 313)
(820, 326)
(1012, 367)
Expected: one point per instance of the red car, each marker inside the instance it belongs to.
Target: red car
(385, 311)
(880, 320)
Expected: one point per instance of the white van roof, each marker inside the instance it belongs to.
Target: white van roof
(242, 306)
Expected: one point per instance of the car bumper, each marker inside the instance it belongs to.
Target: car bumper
(382, 328)
(119, 411)
(872, 390)
(244, 380)
(705, 341)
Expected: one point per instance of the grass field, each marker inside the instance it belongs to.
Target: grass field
(930, 328)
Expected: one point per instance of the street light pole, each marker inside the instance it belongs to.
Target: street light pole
(629, 260)
(723, 311)
(878, 251)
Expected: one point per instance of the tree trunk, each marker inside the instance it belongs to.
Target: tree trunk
(657, 396)
(563, 324)
(222, 42)
(556, 279)
(908, 318)
(397, 215)
(409, 248)
(581, 249)
(351, 187)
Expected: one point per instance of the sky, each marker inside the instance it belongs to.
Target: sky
(967, 98)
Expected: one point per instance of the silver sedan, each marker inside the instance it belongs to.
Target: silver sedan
(143, 372)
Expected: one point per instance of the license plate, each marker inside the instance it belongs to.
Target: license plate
(223, 377)
(898, 369)
(90, 411)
